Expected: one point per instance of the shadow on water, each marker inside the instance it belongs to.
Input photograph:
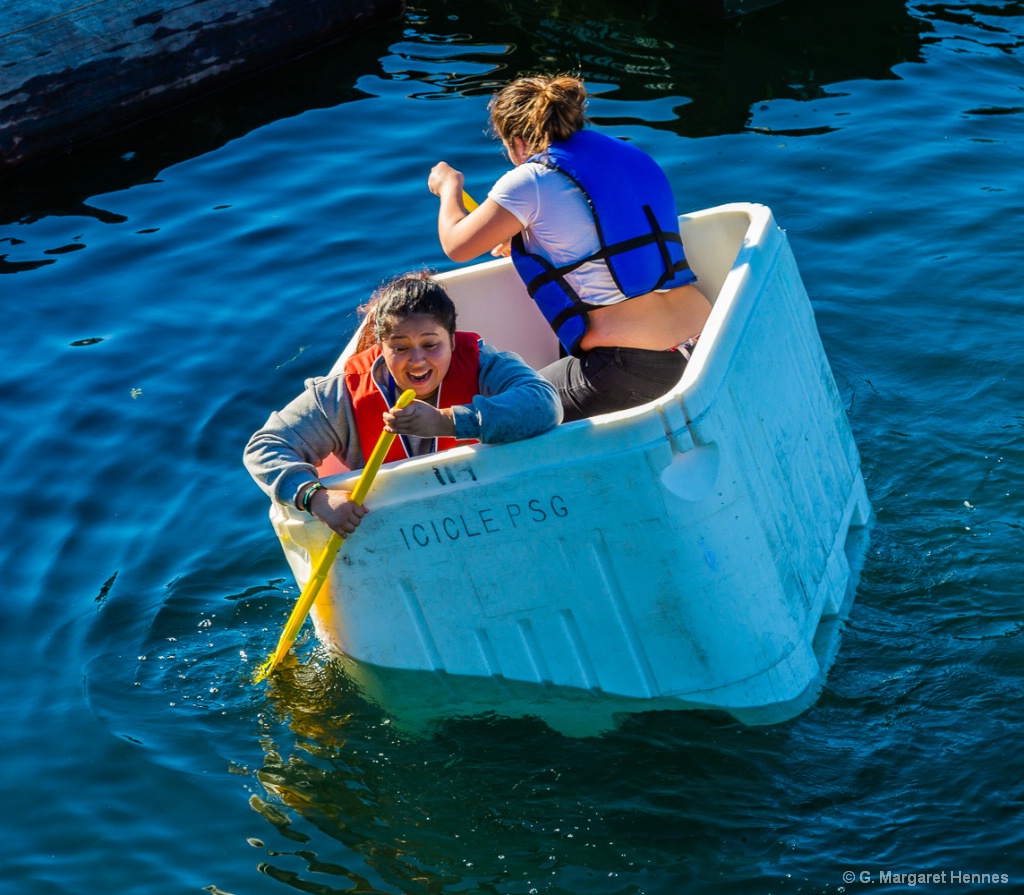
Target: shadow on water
(710, 72)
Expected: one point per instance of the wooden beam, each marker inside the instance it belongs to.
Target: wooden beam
(74, 70)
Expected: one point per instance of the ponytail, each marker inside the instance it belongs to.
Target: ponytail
(539, 110)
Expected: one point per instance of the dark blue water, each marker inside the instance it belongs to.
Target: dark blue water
(165, 289)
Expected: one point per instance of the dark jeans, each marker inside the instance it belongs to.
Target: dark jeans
(609, 379)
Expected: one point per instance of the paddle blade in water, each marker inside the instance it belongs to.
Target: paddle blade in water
(302, 606)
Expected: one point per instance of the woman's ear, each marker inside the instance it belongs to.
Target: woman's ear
(522, 151)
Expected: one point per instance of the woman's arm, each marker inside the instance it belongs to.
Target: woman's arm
(283, 455)
(515, 402)
(465, 235)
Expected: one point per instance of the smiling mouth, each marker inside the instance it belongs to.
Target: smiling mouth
(419, 377)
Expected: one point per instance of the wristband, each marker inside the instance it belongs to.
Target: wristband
(316, 486)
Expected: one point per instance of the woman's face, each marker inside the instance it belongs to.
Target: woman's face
(418, 352)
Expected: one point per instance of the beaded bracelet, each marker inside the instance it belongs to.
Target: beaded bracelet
(316, 486)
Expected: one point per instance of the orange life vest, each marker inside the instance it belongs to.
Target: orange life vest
(369, 400)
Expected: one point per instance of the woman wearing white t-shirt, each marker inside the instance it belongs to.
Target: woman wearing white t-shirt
(591, 226)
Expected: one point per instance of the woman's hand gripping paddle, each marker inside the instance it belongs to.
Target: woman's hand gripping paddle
(323, 566)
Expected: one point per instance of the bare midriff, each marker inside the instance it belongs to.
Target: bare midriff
(657, 321)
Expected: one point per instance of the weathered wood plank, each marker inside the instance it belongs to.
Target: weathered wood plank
(73, 70)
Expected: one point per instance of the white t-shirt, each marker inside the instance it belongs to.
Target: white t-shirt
(559, 226)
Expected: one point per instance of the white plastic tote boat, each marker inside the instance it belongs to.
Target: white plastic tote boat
(696, 552)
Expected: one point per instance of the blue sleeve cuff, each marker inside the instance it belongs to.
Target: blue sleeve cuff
(467, 421)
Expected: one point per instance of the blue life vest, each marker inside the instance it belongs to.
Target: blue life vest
(635, 216)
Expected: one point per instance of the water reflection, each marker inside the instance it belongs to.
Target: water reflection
(714, 70)
(491, 802)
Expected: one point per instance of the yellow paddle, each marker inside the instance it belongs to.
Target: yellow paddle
(467, 200)
(323, 566)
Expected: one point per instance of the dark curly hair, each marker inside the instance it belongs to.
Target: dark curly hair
(404, 296)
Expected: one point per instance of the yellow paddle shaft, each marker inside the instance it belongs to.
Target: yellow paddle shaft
(323, 565)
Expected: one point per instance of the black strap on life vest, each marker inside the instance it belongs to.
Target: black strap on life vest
(666, 259)
(636, 242)
(661, 237)
(554, 274)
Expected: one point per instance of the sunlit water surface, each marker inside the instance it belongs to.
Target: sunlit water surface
(166, 289)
